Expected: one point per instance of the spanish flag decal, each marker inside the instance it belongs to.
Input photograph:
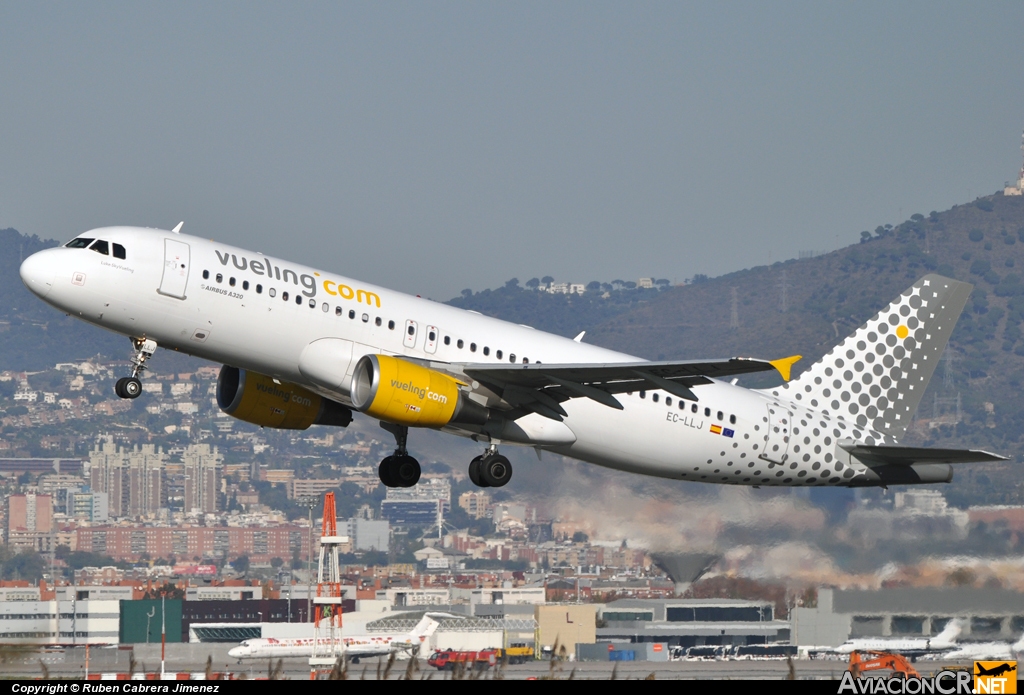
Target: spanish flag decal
(716, 429)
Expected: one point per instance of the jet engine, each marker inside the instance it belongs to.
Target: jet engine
(267, 402)
(405, 393)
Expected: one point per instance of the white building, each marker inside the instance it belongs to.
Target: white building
(59, 622)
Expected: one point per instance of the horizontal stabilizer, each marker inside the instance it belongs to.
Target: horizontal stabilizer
(909, 455)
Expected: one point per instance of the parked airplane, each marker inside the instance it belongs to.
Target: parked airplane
(986, 651)
(303, 346)
(354, 647)
(913, 647)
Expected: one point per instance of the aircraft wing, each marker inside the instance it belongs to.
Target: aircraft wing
(909, 455)
(541, 387)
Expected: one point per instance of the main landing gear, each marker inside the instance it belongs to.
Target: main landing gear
(131, 386)
(399, 469)
(491, 469)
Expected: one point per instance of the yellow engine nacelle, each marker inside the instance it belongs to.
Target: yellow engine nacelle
(263, 401)
(407, 394)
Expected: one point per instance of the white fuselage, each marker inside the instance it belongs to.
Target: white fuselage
(229, 305)
(352, 647)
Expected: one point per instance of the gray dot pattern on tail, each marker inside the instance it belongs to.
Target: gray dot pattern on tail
(876, 377)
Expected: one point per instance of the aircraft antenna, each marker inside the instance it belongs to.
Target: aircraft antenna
(327, 616)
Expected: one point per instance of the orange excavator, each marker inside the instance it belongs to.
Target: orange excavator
(880, 661)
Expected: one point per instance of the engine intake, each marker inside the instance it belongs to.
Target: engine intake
(405, 393)
(259, 399)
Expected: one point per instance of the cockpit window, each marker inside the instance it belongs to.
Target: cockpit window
(100, 246)
(79, 243)
(119, 251)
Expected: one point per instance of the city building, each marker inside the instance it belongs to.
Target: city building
(691, 622)
(202, 465)
(260, 544)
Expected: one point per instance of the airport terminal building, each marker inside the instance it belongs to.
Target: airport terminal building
(842, 614)
(691, 622)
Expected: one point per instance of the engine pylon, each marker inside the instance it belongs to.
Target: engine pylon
(327, 644)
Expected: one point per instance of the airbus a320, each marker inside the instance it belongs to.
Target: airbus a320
(303, 347)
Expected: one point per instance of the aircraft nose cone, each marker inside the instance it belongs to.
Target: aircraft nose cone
(37, 272)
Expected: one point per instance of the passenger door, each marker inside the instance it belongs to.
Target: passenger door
(780, 422)
(176, 262)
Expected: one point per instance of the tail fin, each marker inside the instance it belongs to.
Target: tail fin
(1018, 648)
(425, 627)
(949, 633)
(877, 376)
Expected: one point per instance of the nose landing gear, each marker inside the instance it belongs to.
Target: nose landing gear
(131, 386)
(399, 469)
(491, 469)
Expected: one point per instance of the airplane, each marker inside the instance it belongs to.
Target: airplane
(353, 647)
(995, 670)
(302, 346)
(986, 651)
(912, 647)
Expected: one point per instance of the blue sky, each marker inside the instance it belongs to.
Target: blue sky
(435, 146)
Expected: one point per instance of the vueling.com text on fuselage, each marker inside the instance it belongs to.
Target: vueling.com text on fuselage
(265, 267)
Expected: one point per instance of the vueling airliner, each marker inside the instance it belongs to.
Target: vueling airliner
(304, 347)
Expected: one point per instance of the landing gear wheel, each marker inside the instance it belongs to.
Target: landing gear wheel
(495, 470)
(474, 472)
(405, 470)
(132, 387)
(384, 472)
(119, 387)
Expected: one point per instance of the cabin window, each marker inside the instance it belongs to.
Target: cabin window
(245, 284)
(272, 292)
(220, 278)
(206, 274)
(668, 400)
(284, 296)
(512, 357)
(643, 394)
(325, 308)
(472, 347)
(447, 340)
(351, 313)
(459, 343)
(391, 325)
(432, 336)
(338, 311)
(79, 243)
(707, 412)
(487, 350)
(231, 281)
(498, 354)
(312, 303)
(654, 397)
(720, 416)
(101, 246)
(259, 289)
(526, 360)
(693, 408)
(378, 321)
(732, 419)
(119, 252)
(298, 300)
(366, 318)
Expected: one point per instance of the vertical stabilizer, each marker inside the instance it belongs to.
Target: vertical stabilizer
(877, 376)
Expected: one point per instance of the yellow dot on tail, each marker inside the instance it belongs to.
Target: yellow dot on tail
(902, 332)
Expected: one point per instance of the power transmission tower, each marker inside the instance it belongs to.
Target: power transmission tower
(949, 369)
(784, 296)
(734, 318)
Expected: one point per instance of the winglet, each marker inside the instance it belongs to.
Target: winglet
(785, 364)
(177, 230)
